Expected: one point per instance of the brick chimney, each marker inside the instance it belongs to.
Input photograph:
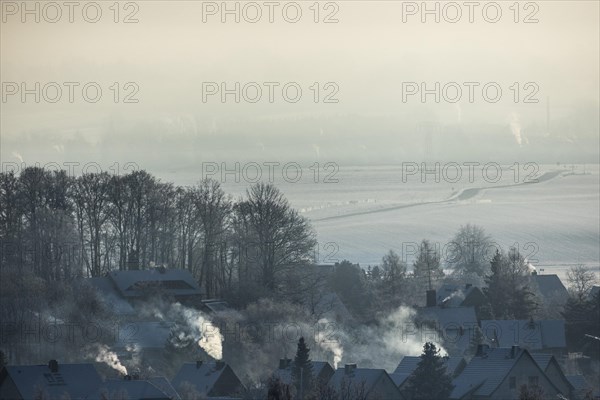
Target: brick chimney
(514, 350)
(53, 365)
(482, 350)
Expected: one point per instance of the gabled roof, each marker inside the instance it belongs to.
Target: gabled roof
(331, 305)
(451, 295)
(164, 385)
(144, 334)
(449, 318)
(76, 380)
(540, 334)
(109, 294)
(550, 286)
(578, 382)
(129, 389)
(215, 305)
(177, 282)
(542, 359)
(203, 375)
(285, 374)
(408, 364)
(487, 371)
(594, 291)
(399, 378)
(370, 377)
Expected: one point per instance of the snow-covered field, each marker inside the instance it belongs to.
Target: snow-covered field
(555, 222)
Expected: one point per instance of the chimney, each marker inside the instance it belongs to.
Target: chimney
(514, 350)
(349, 368)
(198, 364)
(284, 363)
(482, 350)
(53, 365)
(162, 269)
(431, 300)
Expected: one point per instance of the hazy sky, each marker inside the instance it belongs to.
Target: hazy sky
(366, 57)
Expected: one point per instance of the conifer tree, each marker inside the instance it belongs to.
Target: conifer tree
(430, 379)
(302, 372)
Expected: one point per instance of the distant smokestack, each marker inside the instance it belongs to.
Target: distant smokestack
(349, 368)
(548, 115)
(431, 300)
(53, 365)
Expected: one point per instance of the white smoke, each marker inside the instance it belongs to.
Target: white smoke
(328, 343)
(17, 156)
(380, 346)
(110, 358)
(515, 127)
(208, 336)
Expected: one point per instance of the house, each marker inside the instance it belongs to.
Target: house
(163, 384)
(130, 388)
(538, 335)
(329, 305)
(594, 291)
(408, 364)
(52, 381)
(215, 306)
(110, 296)
(499, 373)
(580, 386)
(143, 335)
(133, 284)
(454, 326)
(550, 366)
(212, 379)
(550, 288)
(322, 371)
(449, 295)
(364, 383)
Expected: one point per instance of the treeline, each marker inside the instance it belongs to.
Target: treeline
(60, 227)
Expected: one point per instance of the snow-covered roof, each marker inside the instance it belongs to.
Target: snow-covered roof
(129, 389)
(485, 372)
(75, 380)
(205, 376)
(536, 335)
(144, 334)
(110, 295)
(176, 282)
(369, 377)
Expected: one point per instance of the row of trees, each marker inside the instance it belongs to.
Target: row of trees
(61, 227)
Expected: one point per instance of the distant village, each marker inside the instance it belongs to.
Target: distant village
(119, 287)
(506, 354)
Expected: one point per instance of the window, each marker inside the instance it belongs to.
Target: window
(533, 380)
(512, 382)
